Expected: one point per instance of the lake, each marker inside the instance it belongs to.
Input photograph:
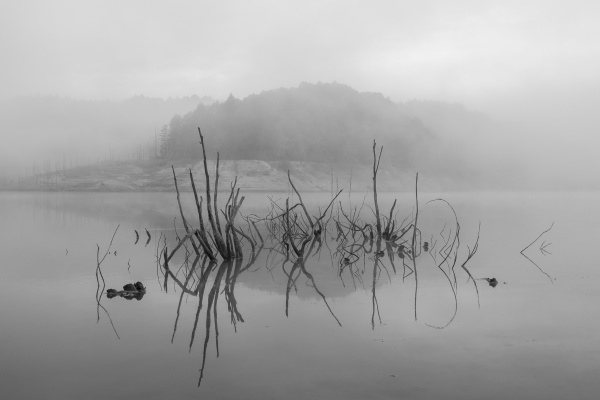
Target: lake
(347, 335)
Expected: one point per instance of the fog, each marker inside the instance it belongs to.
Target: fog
(531, 66)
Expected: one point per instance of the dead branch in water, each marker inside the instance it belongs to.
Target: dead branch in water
(542, 249)
(471, 253)
(376, 162)
(230, 229)
(414, 240)
(536, 239)
(224, 238)
(201, 232)
(301, 202)
(185, 224)
(387, 233)
(219, 242)
(149, 237)
(294, 234)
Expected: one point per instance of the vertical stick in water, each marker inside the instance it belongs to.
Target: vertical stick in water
(375, 169)
(414, 240)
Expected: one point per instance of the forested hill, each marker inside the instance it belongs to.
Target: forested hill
(330, 123)
(313, 122)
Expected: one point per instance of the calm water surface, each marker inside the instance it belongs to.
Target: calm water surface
(535, 335)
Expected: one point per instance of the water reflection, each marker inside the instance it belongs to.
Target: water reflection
(293, 252)
(543, 248)
(195, 283)
(100, 277)
(54, 325)
(355, 245)
(299, 269)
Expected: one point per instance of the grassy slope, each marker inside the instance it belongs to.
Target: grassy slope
(252, 175)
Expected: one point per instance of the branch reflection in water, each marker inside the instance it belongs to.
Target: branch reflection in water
(543, 249)
(294, 246)
(195, 284)
(100, 277)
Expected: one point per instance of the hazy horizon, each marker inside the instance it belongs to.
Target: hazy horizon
(529, 64)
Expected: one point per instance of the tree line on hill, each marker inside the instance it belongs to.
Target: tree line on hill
(330, 123)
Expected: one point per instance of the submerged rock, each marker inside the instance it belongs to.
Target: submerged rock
(492, 281)
(130, 291)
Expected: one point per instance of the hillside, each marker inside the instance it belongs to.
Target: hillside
(253, 175)
(334, 124)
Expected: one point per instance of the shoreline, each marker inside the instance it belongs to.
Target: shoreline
(252, 176)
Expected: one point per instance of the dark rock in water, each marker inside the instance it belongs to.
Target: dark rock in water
(130, 291)
(492, 281)
(133, 295)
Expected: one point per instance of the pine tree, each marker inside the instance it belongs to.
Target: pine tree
(165, 142)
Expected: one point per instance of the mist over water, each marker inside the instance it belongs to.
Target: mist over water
(482, 282)
(532, 329)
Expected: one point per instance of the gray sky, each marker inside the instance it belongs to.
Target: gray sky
(537, 61)
(475, 52)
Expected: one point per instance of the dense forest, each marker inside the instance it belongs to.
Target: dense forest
(330, 123)
(313, 122)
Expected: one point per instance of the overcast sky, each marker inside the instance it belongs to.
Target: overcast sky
(535, 61)
(477, 52)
